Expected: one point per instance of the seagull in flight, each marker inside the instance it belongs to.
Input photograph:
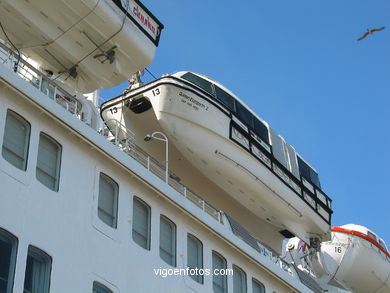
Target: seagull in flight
(370, 32)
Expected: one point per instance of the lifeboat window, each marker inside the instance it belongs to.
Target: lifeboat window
(8, 247)
(261, 130)
(306, 171)
(372, 235)
(244, 115)
(225, 98)
(382, 243)
(200, 82)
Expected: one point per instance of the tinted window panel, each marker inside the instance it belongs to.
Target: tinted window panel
(261, 130)
(244, 115)
(200, 82)
(306, 171)
(225, 98)
(314, 178)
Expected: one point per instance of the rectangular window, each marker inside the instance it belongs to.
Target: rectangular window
(244, 115)
(200, 82)
(239, 280)
(219, 270)
(225, 98)
(195, 257)
(257, 286)
(8, 247)
(16, 140)
(108, 200)
(168, 241)
(261, 130)
(308, 172)
(38, 270)
(99, 288)
(141, 223)
(48, 162)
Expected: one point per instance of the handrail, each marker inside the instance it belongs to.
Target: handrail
(40, 80)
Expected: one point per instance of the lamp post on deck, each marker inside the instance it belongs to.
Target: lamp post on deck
(157, 135)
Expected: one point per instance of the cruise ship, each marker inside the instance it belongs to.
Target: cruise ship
(176, 185)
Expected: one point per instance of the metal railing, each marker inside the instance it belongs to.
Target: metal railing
(120, 136)
(275, 259)
(39, 80)
(124, 138)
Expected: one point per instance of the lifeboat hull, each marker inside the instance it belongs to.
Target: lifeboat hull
(354, 262)
(88, 44)
(202, 132)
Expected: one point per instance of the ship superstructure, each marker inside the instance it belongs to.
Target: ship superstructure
(151, 198)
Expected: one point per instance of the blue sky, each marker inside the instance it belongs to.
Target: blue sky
(298, 65)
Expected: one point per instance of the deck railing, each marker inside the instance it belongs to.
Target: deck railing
(39, 80)
(122, 137)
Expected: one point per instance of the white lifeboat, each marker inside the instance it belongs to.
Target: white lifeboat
(89, 44)
(233, 147)
(356, 259)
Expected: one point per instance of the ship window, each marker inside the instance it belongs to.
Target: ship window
(219, 280)
(141, 223)
(244, 115)
(195, 257)
(261, 130)
(99, 288)
(16, 140)
(168, 241)
(200, 82)
(108, 200)
(38, 270)
(49, 162)
(225, 98)
(306, 171)
(239, 280)
(257, 286)
(8, 247)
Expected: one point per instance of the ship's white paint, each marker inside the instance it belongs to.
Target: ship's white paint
(65, 225)
(190, 121)
(353, 262)
(62, 34)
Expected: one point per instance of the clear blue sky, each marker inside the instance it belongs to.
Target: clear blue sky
(298, 65)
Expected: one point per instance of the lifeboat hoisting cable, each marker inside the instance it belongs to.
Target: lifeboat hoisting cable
(109, 54)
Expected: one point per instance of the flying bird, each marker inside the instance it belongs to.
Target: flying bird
(370, 32)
